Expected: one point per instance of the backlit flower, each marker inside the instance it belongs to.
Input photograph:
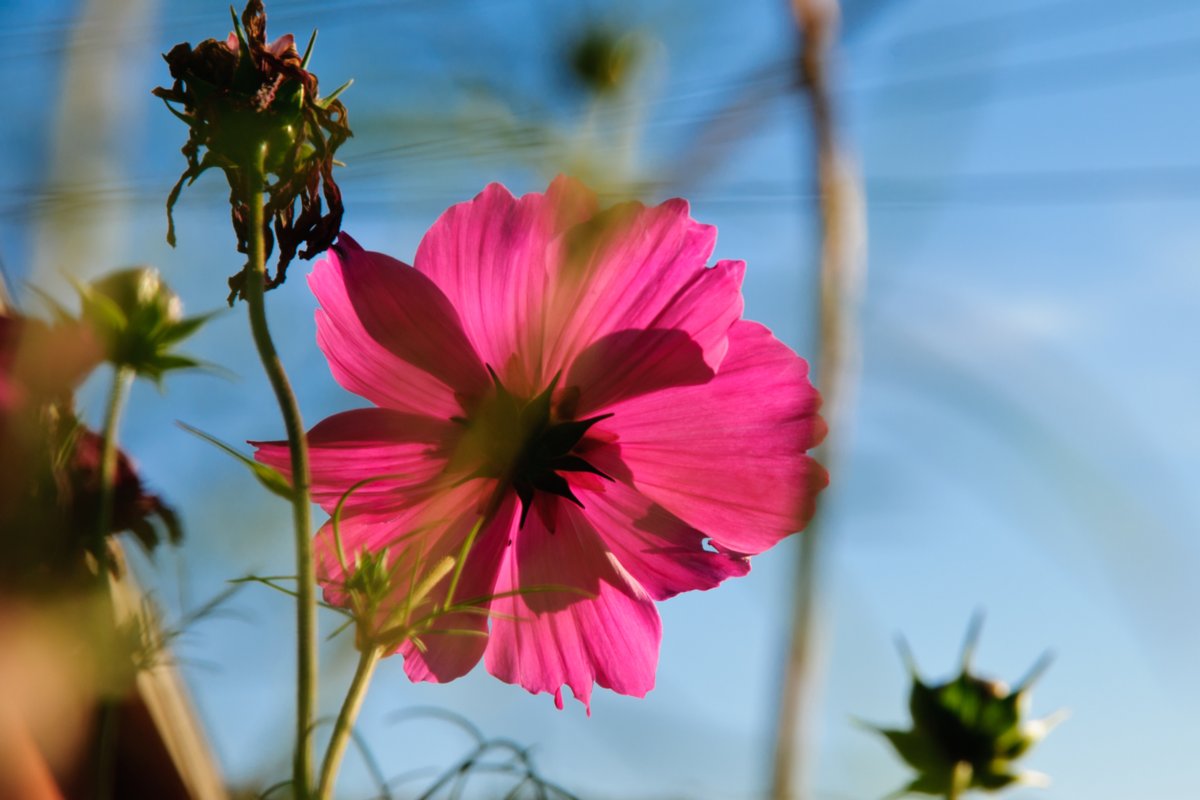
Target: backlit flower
(581, 381)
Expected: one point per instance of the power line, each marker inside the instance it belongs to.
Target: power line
(1155, 183)
(1053, 20)
(968, 88)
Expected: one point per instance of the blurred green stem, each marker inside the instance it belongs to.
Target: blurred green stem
(122, 378)
(344, 727)
(960, 781)
(106, 738)
(106, 749)
(306, 609)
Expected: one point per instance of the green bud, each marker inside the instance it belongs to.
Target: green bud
(370, 578)
(138, 319)
(967, 732)
(369, 584)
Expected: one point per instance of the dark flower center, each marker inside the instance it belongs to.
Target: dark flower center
(525, 443)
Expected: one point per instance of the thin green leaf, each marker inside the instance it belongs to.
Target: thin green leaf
(101, 308)
(284, 590)
(456, 632)
(270, 790)
(271, 478)
(170, 361)
(339, 629)
(325, 101)
(308, 50)
(241, 34)
(336, 518)
(265, 582)
(56, 309)
(179, 331)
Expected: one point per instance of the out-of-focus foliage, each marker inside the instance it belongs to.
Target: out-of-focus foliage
(50, 461)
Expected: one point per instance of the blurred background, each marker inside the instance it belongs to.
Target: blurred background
(1017, 428)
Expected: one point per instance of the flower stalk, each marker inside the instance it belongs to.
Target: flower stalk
(842, 268)
(306, 609)
(122, 379)
(107, 740)
(960, 782)
(344, 726)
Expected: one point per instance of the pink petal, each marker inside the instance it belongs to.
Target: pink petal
(489, 257)
(282, 45)
(603, 628)
(629, 363)
(390, 334)
(660, 551)
(633, 267)
(403, 450)
(728, 456)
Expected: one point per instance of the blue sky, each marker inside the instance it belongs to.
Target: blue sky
(1024, 436)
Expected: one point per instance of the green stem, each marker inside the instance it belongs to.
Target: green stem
(960, 781)
(106, 749)
(106, 739)
(122, 378)
(306, 608)
(344, 727)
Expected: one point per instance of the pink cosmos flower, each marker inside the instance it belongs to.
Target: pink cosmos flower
(583, 382)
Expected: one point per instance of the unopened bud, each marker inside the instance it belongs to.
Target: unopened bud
(138, 319)
(967, 733)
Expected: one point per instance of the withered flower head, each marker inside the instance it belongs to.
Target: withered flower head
(252, 105)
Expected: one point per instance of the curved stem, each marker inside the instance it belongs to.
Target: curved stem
(306, 609)
(344, 727)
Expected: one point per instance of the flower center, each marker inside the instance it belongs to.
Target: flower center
(525, 443)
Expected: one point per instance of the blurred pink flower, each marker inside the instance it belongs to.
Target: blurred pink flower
(582, 379)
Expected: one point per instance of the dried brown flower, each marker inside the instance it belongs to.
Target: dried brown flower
(251, 105)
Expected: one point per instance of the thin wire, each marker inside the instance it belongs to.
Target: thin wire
(981, 85)
(1046, 21)
(1051, 187)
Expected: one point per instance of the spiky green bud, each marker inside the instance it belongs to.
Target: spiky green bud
(138, 320)
(968, 732)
